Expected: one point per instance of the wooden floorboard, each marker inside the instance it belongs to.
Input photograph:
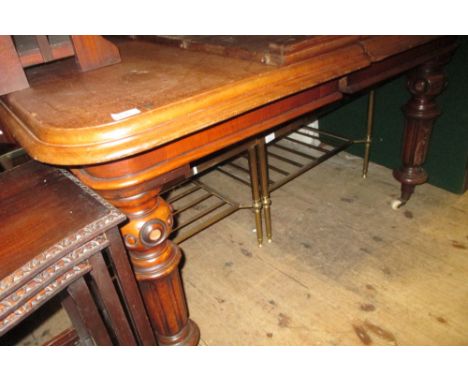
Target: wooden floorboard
(343, 268)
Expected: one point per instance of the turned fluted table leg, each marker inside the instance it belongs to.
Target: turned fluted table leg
(424, 83)
(155, 262)
(155, 259)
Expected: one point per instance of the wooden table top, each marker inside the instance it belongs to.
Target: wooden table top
(160, 93)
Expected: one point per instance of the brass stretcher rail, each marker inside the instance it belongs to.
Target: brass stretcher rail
(282, 149)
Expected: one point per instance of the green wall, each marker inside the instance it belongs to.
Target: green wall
(448, 152)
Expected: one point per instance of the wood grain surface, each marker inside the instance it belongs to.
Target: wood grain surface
(68, 117)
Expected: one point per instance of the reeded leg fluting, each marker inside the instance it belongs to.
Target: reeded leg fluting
(155, 259)
(155, 262)
(424, 83)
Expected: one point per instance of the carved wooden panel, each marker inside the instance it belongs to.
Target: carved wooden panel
(44, 295)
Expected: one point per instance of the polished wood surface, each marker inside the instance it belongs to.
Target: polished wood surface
(176, 92)
(128, 129)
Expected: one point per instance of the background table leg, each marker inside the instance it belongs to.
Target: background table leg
(264, 182)
(425, 83)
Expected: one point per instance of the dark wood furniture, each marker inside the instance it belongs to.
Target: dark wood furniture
(128, 129)
(57, 235)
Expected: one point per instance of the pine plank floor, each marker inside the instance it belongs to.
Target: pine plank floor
(343, 267)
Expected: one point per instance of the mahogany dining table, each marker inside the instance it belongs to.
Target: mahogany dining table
(128, 129)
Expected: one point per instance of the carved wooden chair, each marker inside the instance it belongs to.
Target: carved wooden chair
(60, 240)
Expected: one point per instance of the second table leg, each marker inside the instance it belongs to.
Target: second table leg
(425, 83)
